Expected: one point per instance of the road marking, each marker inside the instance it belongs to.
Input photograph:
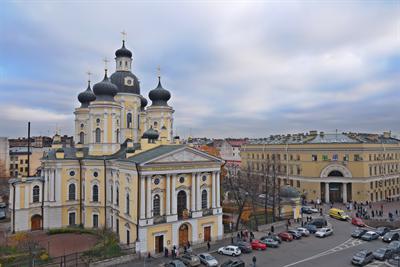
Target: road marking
(345, 245)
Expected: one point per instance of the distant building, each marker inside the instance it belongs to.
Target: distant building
(41, 141)
(336, 167)
(4, 158)
(19, 160)
(230, 152)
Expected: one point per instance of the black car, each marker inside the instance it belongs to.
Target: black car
(306, 210)
(358, 233)
(382, 230)
(395, 246)
(319, 222)
(383, 253)
(390, 236)
(243, 246)
(272, 236)
(296, 235)
(233, 263)
(311, 228)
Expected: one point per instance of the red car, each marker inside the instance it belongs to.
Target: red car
(357, 222)
(285, 236)
(256, 244)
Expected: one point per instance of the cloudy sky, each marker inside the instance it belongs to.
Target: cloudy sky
(234, 69)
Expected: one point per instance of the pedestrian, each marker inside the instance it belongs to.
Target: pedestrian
(166, 252)
(184, 249)
(174, 252)
(231, 239)
(272, 228)
(320, 211)
(397, 212)
(209, 246)
(373, 214)
(287, 226)
(254, 261)
(188, 244)
(238, 235)
(252, 235)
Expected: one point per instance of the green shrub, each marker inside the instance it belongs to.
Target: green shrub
(71, 230)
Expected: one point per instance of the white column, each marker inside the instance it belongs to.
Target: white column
(105, 129)
(326, 192)
(173, 185)
(344, 192)
(213, 190)
(198, 192)
(46, 185)
(148, 202)
(142, 198)
(168, 202)
(193, 192)
(218, 190)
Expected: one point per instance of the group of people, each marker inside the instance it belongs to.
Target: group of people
(186, 249)
(244, 235)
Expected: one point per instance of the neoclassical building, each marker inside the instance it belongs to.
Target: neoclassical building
(127, 173)
(336, 167)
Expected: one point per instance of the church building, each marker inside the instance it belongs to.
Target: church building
(127, 172)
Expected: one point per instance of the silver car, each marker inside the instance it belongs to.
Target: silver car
(190, 259)
(303, 231)
(208, 260)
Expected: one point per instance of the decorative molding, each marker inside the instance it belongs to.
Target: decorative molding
(336, 167)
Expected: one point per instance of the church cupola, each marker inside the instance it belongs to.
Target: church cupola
(159, 96)
(86, 96)
(123, 58)
(143, 102)
(105, 90)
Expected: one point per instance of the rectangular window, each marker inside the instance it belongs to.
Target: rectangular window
(314, 157)
(26, 161)
(346, 157)
(71, 219)
(95, 220)
(325, 157)
(357, 157)
(335, 157)
(298, 183)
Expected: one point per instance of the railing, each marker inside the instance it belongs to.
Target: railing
(159, 219)
(207, 212)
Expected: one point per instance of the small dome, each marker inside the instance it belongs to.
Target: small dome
(143, 102)
(289, 192)
(150, 134)
(159, 96)
(126, 82)
(86, 97)
(123, 51)
(105, 90)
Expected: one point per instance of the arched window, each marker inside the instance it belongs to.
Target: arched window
(129, 120)
(98, 135)
(82, 137)
(156, 205)
(127, 203)
(204, 199)
(71, 192)
(181, 203)
(117, 196)
(117, 136)
(95, 193)
(36, 193)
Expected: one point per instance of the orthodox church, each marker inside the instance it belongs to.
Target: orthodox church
(127, 172)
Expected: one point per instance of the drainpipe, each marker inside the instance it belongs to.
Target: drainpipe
(42, 206)
(13, 185)
(105, 193)
(138, 201)
(80, 191)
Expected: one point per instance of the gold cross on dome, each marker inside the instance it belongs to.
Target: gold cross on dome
(159, 71)
(124, 34)
(88, 74)
(105, 60)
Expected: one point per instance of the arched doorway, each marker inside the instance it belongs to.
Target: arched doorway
(335, 173)
(183, 235)
(36, 222)
(181, 203)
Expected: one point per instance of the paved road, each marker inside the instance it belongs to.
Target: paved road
(334, 251)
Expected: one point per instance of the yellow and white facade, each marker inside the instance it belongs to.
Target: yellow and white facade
(336, 167)
(127, 173)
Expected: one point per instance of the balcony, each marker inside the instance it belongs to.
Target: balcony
(184, 214)
(207, 212)
(159, 219)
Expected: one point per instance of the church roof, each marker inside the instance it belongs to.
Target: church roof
(154, 153)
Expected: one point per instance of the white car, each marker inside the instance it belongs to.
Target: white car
(230, 250)
(303, 231)
(324, 232)
(208, 260)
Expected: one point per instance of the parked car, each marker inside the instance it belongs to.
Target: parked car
(296, 235)
(208, 260)
(233, 263)
(175, 263)
(382, 230)
(309, 210)
(369, 236)
(338, 214)
(319, 222)
(303, 231)
(243, 246)
(230, 251)
(394, 246)
(324, 232)
(285, 236)
(258, 245)
(357, 222)
(272, 236)
(3, 207)
(390, 236)
(271, 243)
(358, 233)
(311, 228)
(362, 258)
(190, 259)
(383, 253)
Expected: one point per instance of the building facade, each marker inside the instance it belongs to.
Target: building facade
(127, 173)
(337, 167)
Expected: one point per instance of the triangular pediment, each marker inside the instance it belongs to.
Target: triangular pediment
(185, 154)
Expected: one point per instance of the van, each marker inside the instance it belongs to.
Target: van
(338, 214)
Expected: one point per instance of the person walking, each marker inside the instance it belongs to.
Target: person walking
(209, 246)
(166, 252)
(272, 228)
(254, 261)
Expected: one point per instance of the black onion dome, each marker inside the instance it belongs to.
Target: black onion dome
(159, 96)
(289, 192)
(150, 134)
(123, 51)
(143, 102)
(86, 97)
(105, 90)
(126, 82)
